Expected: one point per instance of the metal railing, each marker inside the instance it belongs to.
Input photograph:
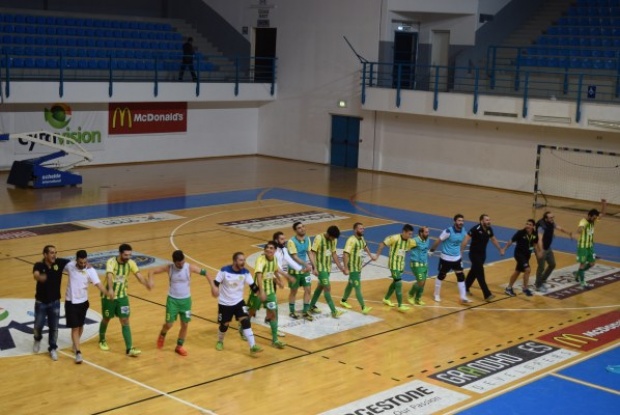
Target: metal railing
(62, 69)
(522, 82)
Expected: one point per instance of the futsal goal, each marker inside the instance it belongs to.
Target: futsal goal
(574, 178)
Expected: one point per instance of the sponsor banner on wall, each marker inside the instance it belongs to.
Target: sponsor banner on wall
(415, 397)
(85, 127)
(147, 118)
(503, 367)
(587, 335)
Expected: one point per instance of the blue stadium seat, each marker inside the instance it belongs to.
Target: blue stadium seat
(39, 63)
(70, 63)
(103, 64)
(82, 64)
(39, 40)
(17, 63)
(92, 64)
(51, 51)
(140, 65)
(51, 41)
(131, 65)
(8, 28)
(51, 63)
(20, 29)
(610, 64)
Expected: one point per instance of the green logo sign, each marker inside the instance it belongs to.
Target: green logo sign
(58, 116)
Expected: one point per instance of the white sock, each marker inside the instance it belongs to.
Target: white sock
(249, 335)
(462, 290)
(437, 287)
(220, 336)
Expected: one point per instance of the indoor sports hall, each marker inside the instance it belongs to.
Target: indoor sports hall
(383, 113)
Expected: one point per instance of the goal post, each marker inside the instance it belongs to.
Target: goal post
(566, 176)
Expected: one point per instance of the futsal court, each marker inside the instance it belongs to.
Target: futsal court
(542, 354)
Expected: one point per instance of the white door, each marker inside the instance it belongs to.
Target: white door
(440, 46)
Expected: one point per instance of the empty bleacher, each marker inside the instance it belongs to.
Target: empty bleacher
(35, 43)
(587, 37)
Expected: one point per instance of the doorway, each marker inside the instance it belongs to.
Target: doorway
(440, 53)
(264, 53)
(405, 55)
(345, 141)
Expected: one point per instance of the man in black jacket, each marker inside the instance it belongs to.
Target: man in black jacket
(188, 59)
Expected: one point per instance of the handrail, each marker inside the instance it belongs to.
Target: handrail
(238, 70)
(523, 83)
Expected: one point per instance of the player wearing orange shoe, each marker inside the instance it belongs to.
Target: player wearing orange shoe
(179, 301)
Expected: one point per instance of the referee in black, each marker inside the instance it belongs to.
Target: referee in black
(479, 236)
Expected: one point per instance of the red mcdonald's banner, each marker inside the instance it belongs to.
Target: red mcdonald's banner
(147, 118)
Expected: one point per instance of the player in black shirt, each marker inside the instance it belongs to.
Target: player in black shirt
(48, 275)
(527, 242)
(479, 236)
(545, 229)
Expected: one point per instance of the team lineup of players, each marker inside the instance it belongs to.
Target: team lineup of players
(294, 262)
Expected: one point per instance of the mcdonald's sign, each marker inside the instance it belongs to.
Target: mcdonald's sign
(589, 334)
(147, 118)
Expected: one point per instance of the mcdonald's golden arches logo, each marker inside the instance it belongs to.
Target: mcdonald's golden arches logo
(122, 113)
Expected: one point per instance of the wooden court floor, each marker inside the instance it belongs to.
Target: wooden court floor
(311, 375)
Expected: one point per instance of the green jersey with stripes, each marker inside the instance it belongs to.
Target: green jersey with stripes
(120, 275)
(398, 250)
(323, 248)
(354, 247)
(586, 239)
(268, 270)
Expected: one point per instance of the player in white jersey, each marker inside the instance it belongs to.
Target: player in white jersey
(76, 297)
(228, 288)
(179, 301)
(284, 259)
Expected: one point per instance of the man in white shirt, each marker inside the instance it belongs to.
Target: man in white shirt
(76, 297)
(228, 288)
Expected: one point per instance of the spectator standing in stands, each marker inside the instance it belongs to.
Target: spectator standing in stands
(188, 59)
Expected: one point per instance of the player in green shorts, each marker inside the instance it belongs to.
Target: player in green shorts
(179, 301)
(585, 243)
(352, 259)
(419, 265)
(267, 273)
(321, 255)
(117, 274)
(298, 247)
(399, 245)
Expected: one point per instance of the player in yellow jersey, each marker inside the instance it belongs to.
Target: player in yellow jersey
(585, 243)
(267, 273)
(321, 255)
(117, 274)
(399, 245)
(352, 259)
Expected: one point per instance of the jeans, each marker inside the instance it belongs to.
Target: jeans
(476, 273)
(52, 312)
(543, 273)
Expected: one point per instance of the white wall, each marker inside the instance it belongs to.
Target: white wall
(211, 132)
(316, 68)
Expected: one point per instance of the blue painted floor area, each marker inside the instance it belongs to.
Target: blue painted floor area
(593, 370)
(436, 223)
(550, 395)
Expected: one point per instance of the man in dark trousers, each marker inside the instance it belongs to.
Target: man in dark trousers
(48, 275)
(479, 236)
(546, 228)
(188, 59)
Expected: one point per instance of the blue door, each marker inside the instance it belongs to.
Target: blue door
(345, 141)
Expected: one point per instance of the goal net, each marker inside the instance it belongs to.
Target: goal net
(568, 177)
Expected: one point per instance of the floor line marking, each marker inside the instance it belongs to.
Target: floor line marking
(174, 231)
(529, 380)
(584, 383)
(143, 385)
